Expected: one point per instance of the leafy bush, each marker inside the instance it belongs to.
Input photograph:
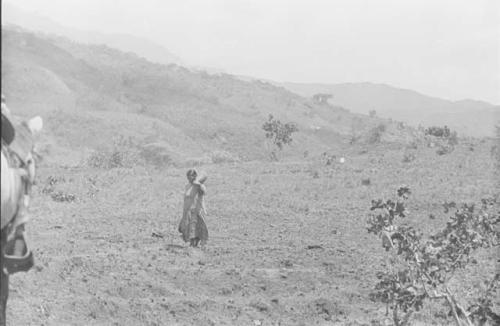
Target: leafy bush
(107, 159)
(280, 133)
(60, 196)
(440, 132)
(49, 188)
(123, 153)
(422, 269)
(444, 137)
(375, 134)
(50, 183)
(328, 158)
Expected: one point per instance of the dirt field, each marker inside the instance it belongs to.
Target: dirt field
(288, 243)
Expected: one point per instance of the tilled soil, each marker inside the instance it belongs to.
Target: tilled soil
(288, 243)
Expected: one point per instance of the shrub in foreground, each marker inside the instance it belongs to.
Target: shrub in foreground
(422, 268)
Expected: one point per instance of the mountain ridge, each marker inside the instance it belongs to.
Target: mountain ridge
(469, 117)
(129, 43)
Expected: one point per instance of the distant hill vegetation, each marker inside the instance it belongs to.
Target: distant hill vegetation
(92, 94)
(467, 117)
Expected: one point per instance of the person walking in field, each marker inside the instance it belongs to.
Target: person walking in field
(192, 225)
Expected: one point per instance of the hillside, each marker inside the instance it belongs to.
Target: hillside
(129, 43)
(91, 94)
(288, 241)
(468, 117)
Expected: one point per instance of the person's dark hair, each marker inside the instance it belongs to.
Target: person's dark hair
(191, 172)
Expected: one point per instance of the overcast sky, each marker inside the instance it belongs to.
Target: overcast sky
(443, 48)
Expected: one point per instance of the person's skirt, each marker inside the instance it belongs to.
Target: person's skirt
(192, 226)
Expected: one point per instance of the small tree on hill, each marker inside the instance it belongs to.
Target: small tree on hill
(321, 98)
(280, 133)
(446, 139)
(442, 132)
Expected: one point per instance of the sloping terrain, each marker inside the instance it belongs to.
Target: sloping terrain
(468, 117)
(288, 242)
(80, 87)
(124, 42)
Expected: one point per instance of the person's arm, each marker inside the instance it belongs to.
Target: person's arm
(201, 187)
